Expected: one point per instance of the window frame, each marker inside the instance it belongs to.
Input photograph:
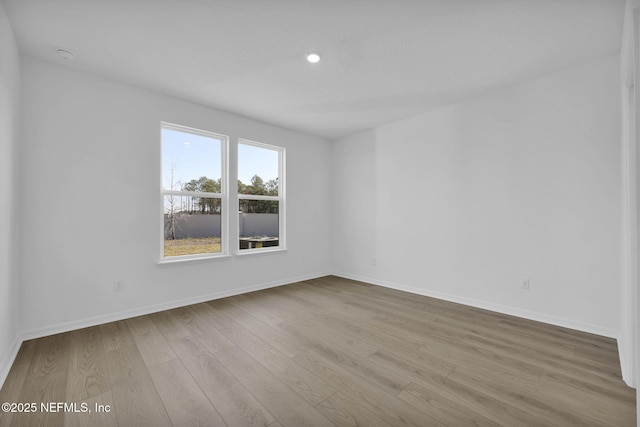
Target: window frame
(280, 198)
(223, 195)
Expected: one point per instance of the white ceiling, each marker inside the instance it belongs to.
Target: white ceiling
(382, 59)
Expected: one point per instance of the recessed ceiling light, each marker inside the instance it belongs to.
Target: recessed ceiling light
(313, 57)
(65, 54)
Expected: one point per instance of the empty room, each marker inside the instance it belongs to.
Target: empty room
(319, 213)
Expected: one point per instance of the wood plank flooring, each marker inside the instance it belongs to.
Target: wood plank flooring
(324, 352)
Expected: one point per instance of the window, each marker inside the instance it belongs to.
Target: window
(260, 197)
(194, 196)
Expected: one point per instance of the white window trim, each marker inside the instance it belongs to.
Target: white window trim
(223, 196)
(281, 198)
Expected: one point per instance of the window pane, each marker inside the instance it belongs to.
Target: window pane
(191, 225)
(190, 162)
(258, 170)
(259, 224)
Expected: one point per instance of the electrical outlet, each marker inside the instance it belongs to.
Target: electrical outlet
(118, 286)
(524, 284)
(374, 260)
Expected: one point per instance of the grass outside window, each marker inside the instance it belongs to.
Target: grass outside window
(192, 246)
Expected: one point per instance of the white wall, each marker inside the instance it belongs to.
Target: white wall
(92, 146)
(9, 124)
(523, 182)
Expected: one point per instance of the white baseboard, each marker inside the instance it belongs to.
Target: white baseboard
(9, 358)
(112, 317)
(512, 311)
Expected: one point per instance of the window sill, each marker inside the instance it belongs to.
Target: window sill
(169, 261)
(245, 252)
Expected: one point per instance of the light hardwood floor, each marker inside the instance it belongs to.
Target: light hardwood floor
(324, 352)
